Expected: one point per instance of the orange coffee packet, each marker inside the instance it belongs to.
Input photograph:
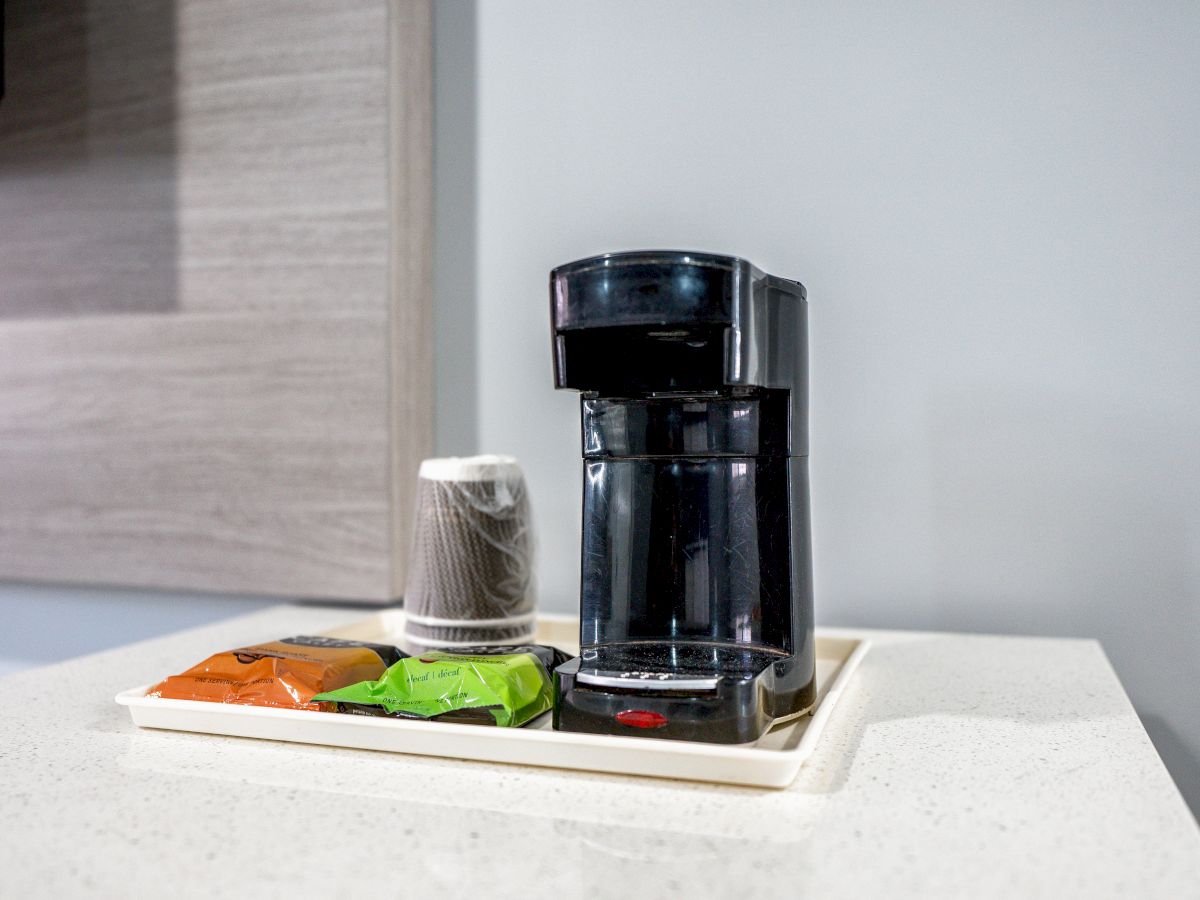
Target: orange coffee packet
(286, 673)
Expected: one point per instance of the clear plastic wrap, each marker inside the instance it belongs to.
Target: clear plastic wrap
(471, 570)
(286, 673)
(503, 685)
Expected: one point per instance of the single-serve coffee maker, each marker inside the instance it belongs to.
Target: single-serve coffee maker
(696, 591)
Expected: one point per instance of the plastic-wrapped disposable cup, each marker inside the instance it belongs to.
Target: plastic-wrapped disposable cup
(470, 574)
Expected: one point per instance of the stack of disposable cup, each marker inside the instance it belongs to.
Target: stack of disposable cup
(470, 573)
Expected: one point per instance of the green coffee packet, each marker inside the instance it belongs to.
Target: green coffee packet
(505, 686)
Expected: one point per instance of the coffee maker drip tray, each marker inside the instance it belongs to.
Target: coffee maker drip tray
(692, 666)
(683, 689)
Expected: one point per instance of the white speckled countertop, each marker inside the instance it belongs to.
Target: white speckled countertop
(955, 765)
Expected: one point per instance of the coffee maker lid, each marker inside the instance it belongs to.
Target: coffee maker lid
(622, 258)
(646, 287)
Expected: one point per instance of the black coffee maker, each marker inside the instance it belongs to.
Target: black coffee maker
(696, 593)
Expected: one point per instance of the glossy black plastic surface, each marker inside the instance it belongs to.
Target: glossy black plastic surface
(683, 549)
(627, 325)
(646, 287)
(733, 711)
(720, 425)
(696, 588)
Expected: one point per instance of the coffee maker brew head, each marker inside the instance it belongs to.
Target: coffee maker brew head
(661, 322)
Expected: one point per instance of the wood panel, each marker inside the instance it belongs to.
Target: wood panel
(253, 421)
(191, 451)
(87, 159)
(410, 202)
(283, 144)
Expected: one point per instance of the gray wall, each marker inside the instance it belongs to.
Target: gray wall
(996, 210)
(46, 623)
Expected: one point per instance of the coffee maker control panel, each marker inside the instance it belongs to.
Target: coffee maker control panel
(647, 681)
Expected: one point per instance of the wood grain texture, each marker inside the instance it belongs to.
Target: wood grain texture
(283, 142)
(253, 423)
(197, 452)
(410, 193)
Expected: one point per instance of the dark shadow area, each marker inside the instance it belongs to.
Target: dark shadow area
(44, 115)
(455, 251)
(87, 159)
(1180, 760)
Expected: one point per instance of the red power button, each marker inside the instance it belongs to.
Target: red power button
(641, 718)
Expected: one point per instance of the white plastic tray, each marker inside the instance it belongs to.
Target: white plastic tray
(772, 761)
